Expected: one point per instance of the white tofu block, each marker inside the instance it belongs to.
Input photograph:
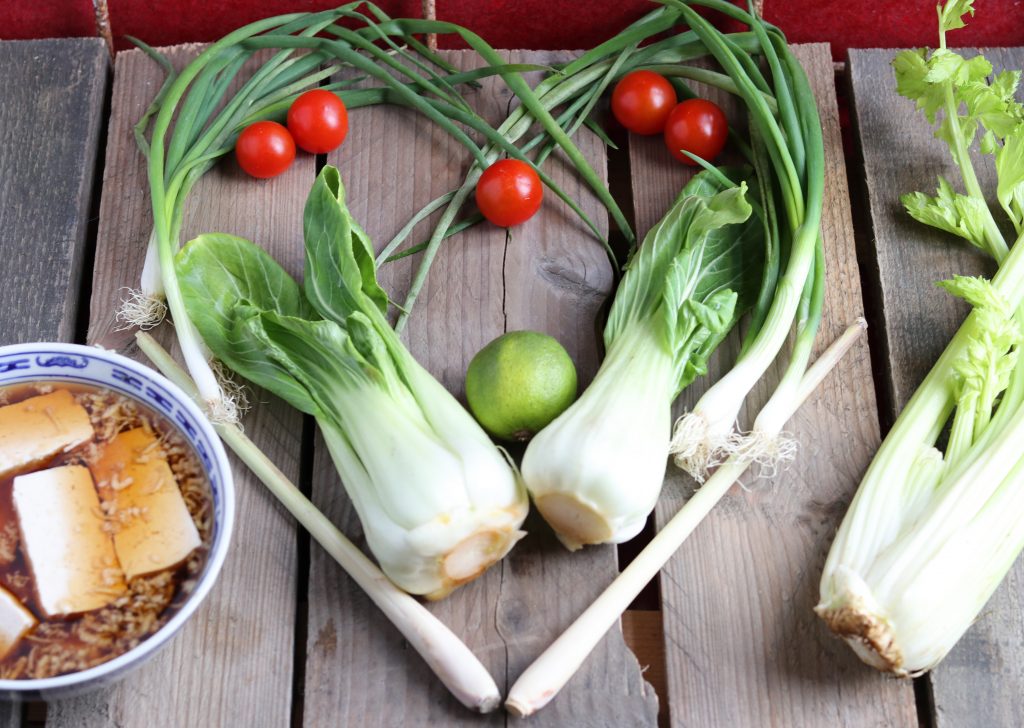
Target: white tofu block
(154, 529)
(35, 429)
(15, 622)
(69, 552)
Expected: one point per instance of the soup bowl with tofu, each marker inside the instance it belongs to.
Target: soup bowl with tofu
(116, 510)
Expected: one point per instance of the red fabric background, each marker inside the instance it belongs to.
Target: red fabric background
(525, 23)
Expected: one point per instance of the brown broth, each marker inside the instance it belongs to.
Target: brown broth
(58, 646)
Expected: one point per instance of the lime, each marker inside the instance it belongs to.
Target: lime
(520, 382)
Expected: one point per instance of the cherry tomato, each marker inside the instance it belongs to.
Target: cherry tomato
(642, 101)
(509, 192)
(265, 149)
(699, 127)
(318, 120)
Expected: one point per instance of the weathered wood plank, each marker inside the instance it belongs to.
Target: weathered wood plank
(557, 276)
(743, 646)
(393, 162)
(547, 275)
(52, 93)
(981, 682)
(51, 113)
(232, 664)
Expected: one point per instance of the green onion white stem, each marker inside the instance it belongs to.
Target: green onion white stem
(448, 657)
(549, 673)
(931, 533)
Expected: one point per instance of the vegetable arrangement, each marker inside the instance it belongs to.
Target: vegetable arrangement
(439, 503)
(932, 532)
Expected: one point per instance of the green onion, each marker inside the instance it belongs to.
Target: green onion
(705, 436)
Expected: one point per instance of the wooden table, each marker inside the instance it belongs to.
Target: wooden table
(728, 637)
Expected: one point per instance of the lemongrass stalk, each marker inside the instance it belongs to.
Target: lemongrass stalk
(448, 657)
(549, 673)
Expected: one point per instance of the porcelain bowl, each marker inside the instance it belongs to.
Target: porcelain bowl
(89, 365)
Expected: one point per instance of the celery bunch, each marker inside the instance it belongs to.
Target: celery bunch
(931, 533)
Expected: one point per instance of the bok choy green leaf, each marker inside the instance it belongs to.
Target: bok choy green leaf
(438, 501)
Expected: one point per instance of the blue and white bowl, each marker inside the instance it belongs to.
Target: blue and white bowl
(88, 365)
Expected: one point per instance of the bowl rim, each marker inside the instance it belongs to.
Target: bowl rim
(214, 561)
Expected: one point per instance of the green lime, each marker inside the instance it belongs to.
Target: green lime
(520, 382)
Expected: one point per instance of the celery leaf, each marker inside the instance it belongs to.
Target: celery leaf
(951, 15)
(911, 69)
(958, 214)
(1010, 176)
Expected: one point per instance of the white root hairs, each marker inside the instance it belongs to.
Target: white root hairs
(139, 309)
(772, 452)
(234, 399)
(695, 452)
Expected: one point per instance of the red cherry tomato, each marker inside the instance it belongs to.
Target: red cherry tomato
(509, 192)
(699, 127)
(642, 101)
(265, 149)
(318, 120)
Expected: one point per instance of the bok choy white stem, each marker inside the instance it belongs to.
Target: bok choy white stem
(449, 658)
(438, 502)
(549, 673)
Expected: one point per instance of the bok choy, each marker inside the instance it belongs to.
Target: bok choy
(696, 273)
(932, 532)
(438, 501)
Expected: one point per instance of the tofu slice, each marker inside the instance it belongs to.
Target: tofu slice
(15, 622)
(35, 429)
(70, 553)
(154, 529)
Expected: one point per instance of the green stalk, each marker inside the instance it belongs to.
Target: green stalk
(961, 155)
(708, 78)
(139, 130)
